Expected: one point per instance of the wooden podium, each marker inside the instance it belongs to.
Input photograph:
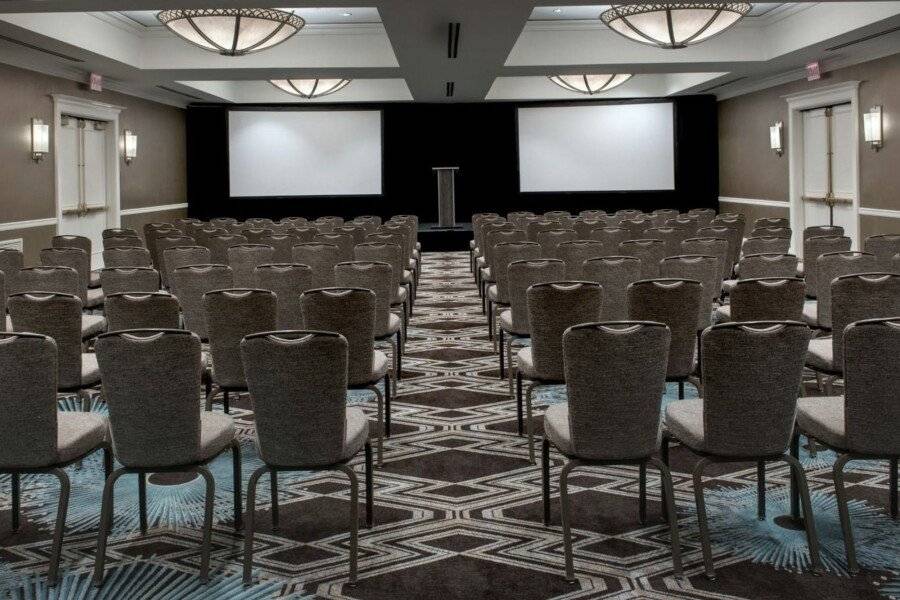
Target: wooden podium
(446, 189)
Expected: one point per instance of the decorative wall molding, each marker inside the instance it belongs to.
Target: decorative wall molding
(152, 209)
(15, 225)
(756, 201)
(886, 213)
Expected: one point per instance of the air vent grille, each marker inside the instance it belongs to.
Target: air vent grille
(39, 49)
(453, 40)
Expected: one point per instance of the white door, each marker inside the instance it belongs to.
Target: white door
(827, 173)
(83, 181)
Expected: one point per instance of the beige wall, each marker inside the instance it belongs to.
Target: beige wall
(157, 177)
(748, 168)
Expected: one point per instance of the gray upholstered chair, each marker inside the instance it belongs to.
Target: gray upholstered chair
(661, 215)
(298, 387)
(342, 240)
(636, 226)
(321, 258)
(649, 251)
(243, 260)
(583, 227)
(219, 244)
(282, 243)
(498, 294)
(203, 234)
(150, 386)
(155, 310)
(863, 423)
(689, 222)
(765, 245)
(350, 312)
(754, 266)
(118, 232)
(675, 303)
(671, 237)
(59, 280)
(534, 228)
(709, 246)
(772, 222)
(163, 244)
(573, 253)
(222, 221)
(556, 215)
(183, 256)
(190, 283)
(765, 299)
(79, 260)
(255, 234)
(730, 234)
(706, 270)
(58, 316)
(823, 231)
(610, 236)
(401, 291)
(884, 247)
(779, 232)
(552, 238)
(704, 216)
(11, 262)
(612, 415)
(739, 224)
(751, 376)
(232, 314)
(287, 281)
(185, 223)
(154, 231)
(82, 242)
(614, 274)
(41, 438)
(357, 232)
(122, 241)
(126, 256)
(553, 307)
(829, 266)
(304, 235)
(129, 279)
(813, 248)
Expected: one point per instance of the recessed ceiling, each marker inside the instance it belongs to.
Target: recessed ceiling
(367, 14)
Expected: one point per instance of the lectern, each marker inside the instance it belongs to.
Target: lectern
(446, 188)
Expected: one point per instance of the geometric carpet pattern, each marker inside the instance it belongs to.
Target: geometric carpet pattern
(457, 507)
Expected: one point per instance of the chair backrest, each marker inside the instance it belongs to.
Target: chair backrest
(374, 276)
(357, 232)
(150, 383)
(219, 244)
(118, 280)
(675, 303)
(222, 221)
(522, 275)
(772, 222)
(287, 281)
(704, 216)
(614, 274)
(190, 283)
(871, 381)
(729, 232)
(661, 215)
(831, 265)
(304, 235)
(610, 237)
(58, 280)
(766, 245)
(709, 246)
(550, 239)
(11, 262)
(583, 227)
(555, 215)
(203, 234)
(298, 388)
(243, 260)
(884, 247)
(163, 244)
(500, 236)
(780, 232)
(75, 258)
(636, 227)
(768, 299)
(185, 224)
(232, 314)
(28, 407)
(342, 240)
(72, 241)
(735, 221)
(671, 237)
(573, 253)
(690, 223)
(259, 223)
(614, 409)
(506, 253)
(754, 266)
(387, 253)
(751, 378)
(282, 243)
(859, 297)
(127, 256)
(118, 232)
(57, 316)
(156, 310)
(813, 248)
(649, 251)
(154, 231)
(321, 258)
(349, 312)
(823, 231)
(254, 235)
(183, 256)
(552, 308)
(534, 228)
(593, 214)
(706, 270)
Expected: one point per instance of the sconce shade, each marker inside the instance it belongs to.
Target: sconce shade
(775, 141)
(131, 141)
(872, 127)
(40, 139)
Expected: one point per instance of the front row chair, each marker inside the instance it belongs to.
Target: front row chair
(55, 439)
(298, 382)
(150, 386)
(613, 413)
(863, 423)
(751, 377)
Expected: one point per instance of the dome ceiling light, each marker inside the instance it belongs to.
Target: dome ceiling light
(232, 31)
(672, 25)
(310, 88)
(590, 84)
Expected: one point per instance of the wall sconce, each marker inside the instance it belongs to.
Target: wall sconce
(775, 138)
(130, 146)
(40, 139)
(872, 127)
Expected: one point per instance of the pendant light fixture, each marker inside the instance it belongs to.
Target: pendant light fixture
(673, 24)
(232, 31)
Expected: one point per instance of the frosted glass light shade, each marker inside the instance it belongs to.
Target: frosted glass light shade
(673, 24)
(872, 127)
(590, 84)
(131, 141)
(40, 139)
(232, 31)
(310, 88)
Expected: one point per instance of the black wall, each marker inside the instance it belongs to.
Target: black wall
(479, 138)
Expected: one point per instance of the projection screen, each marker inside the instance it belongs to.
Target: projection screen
(304, 152)
(598, 147)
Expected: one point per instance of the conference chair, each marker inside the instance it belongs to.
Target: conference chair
(593, 214)
(356, 232)
(689, 222)
(830, 266)
(219, 244)
(754, 266)
(321, 258)
(203, 234)
(553, 307)
(736, 221)
(813, 247)
(162, 245)
(492, 238)
(40, 438)
(342, 240)
(765, 245)
(255, 234)
(534, 228)
(82, 242)
(243, 260)
(498, 294)
(765, 299)
(612, 415)
(822, 231)
(119, 280)
(126, 256)
(614, 274)
(112, 232)
(573, 253)
(79, 260)
(704, 269)
(772, 222)
(780, 232)
(661, 215)
(11, 262)
(552, 238)
(184, 224)
(730, 233)
(59, 280)
(709, 246)
(636, 226)
(298, 386)
(649, 251)
(282, 244)
(222, 221)
(288, 282)
(183, 256)
(294, 221)
(150, 310)
(150, 386)
(153, 231)
(884, 247)
(704, 216)
(304, 235)
(583, 227)
(190, 283)
(401, 288)
(671, 237)
(259, 223)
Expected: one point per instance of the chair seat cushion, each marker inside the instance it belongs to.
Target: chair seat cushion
(95, 279)
(492, 293)
(402, 294)
(407, 276)
(486, 274)
(393, 327)
(90, 370)
(823, 419)
(728, 285)
(506, 324)
(820, 355)
(413, 265)
(811, 313)
(684, 420)
(722, 314)
(525, 361)
(216, 433)
(472, 244)
(356, 432)
(556, 428)
(800, 269)
(480, 262)
(92, 326)
(78, 433)
(94, 298)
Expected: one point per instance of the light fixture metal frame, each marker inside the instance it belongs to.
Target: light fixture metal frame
(342, 83)
(588, 91)
(623, 11)
(283, 17)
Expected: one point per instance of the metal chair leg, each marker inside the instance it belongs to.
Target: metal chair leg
(142, 502)
(16, 500)
(59, 528)
(207, 522)
(212, 394)
(761, 490)
(248, 532)
(387, 406)
(521, 425)
(564, 514)
(225, 406)
(701, 518)
(808, 517)
(354, 520)
(370, 497)
(530, 421)
(106, 517)
(398, 374)
(273, 491)
(795, 499)
(892, 484)
(671, 514)
(236, 475)
(664, 458)
(501, 347)
(642, 493)
(380, 400)
(545, 479)
(844, 512)
(509, 365)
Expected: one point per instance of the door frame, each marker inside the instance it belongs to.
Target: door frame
(98, 111)
(839, 93)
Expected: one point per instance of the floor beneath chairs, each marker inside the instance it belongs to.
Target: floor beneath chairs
(457, 508)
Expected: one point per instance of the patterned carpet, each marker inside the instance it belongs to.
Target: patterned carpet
(457, 508)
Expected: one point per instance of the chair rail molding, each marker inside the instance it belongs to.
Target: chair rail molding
(141, 210)
(756, 201)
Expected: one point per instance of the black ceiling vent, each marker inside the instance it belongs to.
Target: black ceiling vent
(179, 92)
(451, 88)
(718, 85)
(39, 49)
(863, 39)
(453, 40)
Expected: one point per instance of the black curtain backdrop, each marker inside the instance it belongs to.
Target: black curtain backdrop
(480, 139)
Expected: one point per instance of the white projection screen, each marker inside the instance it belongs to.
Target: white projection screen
(597, 147)
(304, 152)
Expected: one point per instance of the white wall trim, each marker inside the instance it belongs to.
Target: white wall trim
(880, 212)
(756, 201)
(152, 209)
(15, 225)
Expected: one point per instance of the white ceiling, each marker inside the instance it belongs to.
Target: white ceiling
(396, 50)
